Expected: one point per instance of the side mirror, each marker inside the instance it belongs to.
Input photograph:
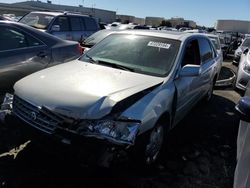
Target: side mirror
(55, 28)
(243, 109)
(245, 51)
(190, 70)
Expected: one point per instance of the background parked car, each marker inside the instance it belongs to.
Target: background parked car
(67, 26)
(242, 170)
(132, 85)
(141, 27)
(96, 37)
(24, 50)
(4, 18)
(245, 44)
(243, 73)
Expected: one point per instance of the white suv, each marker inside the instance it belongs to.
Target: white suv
(68, 26)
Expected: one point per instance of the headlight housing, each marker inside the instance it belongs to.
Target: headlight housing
(119, 132)
(246, 67)
(239, 53)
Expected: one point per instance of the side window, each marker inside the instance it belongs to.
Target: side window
(11, 39)
(191, 54)
(205, 50)
(32, 41)
(63, 22)
(215, 54)
(90, 24)
(76, 24)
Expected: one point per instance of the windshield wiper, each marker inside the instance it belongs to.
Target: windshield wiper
(91, 60)
(116, 66)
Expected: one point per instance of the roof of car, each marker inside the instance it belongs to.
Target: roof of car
(58, 13)
(159, 33)
(210, 35)
(48, 13)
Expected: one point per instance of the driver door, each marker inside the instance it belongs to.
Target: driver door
(187, 87)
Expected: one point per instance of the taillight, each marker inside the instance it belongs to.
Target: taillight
(80, 48)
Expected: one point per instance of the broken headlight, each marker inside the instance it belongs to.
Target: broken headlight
(116, 131)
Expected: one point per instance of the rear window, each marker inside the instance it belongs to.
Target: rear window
(76, 24)
(90, 24)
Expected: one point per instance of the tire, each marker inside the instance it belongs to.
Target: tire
(147, 151)
(209, 94)
(154, 144)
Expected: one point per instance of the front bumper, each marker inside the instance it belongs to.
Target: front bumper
(242, 79)
(95, 150)
(236, 59)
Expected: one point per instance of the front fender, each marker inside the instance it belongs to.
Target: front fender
(152, 106)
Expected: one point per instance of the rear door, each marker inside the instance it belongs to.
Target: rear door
(208, 64)
(90, 26)
(20, 54)
(78, 30)
(64, 30)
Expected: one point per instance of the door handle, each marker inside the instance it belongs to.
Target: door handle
(42, 54)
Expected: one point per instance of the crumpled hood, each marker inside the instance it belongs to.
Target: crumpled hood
(82, 90)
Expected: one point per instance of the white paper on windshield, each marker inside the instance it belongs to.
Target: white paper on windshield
(159, 44)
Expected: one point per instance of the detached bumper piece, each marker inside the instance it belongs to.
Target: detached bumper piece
(6, 107)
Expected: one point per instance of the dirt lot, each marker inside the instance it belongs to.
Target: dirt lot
(200, 153)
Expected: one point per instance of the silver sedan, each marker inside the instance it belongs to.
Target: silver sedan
(243, 73)
(127, 91)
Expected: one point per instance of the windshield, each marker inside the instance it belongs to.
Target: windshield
(39, 21)
(246, 42)
(142, 54)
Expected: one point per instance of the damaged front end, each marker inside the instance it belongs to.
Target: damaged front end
(120, 132)
(117, 134)
(6, 107)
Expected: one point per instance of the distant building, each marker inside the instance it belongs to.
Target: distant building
(240, 26)
(140, 21)
(125, 19)
(130, 19)
(153, 21)
(177, 21)
(27, 6)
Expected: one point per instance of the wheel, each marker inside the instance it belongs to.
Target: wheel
(154, 144)
(209, 94)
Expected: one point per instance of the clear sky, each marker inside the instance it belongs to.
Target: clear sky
(203, 12)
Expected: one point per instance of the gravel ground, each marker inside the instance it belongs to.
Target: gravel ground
(200, 153)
